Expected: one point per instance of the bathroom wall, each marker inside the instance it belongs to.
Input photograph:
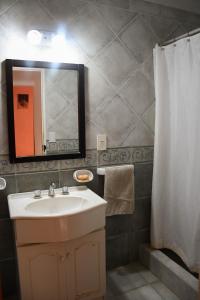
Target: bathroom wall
(192, 5)
(114, 39)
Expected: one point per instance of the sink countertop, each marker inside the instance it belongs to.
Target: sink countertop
(18, 203)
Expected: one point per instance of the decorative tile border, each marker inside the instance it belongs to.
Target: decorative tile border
(142, 154)
(89, 161)
(62, 146)
(29, 167)
(125, 155)
(93, 158)
(5, 166)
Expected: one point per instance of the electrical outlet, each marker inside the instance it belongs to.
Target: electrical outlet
(101, 142)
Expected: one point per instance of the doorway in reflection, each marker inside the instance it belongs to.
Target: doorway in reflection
(27, 91)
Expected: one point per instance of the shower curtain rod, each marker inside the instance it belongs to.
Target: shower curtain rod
(188, 34)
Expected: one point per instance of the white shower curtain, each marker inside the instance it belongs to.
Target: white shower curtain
(176, 176)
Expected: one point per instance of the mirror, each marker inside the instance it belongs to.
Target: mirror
(46, 110)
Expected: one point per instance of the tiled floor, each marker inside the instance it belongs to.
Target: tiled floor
(136, 282)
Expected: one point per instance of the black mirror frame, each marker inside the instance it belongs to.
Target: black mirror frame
(9, 64)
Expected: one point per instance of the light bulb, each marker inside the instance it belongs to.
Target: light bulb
(34, 37)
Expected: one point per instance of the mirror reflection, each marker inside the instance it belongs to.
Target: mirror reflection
(45, 111)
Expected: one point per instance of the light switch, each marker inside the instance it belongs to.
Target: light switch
(101, 142)
(52, 137)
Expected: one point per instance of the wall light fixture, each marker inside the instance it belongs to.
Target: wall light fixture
(34, 37)
(45, 38)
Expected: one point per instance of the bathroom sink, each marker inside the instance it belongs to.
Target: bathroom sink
(56, 219)
(52, 206)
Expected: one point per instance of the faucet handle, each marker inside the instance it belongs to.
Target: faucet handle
(65, 190)
(37, 194)
(53, 185)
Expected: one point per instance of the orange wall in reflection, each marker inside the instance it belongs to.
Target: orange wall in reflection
(24, 120)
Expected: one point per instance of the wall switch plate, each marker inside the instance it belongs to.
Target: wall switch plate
(52, 137)
(101, 142)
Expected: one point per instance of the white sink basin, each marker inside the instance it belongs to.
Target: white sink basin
(58, 205)
(59, 218)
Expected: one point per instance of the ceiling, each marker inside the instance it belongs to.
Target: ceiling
(188, 5)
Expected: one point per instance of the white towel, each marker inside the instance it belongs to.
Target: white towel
(119, 190)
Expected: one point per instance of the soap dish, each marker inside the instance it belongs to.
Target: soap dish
(83, 176)
(2, 183)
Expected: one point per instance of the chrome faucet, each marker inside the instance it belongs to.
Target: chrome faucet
(52, 187)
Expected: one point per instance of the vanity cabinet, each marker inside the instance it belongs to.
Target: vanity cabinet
(63, 271)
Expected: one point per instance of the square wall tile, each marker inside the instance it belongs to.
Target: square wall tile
(162, 27)
(7, 244)
(115, 17)
(119, 126)
(90, 31)
(5, 5)
(138, 92)
(117, 251)
(114, 3)
(98, 91)
(26, 15)
(10, 189)
(149, 117)
(143, 179)
(63, 10)
(142, 214)
(139, 39)
(36, 181)
(145, 7)
(117, 63)
(140, 135)
(9, 277)
(118, 224)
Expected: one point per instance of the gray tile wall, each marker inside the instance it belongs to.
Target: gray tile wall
(114, 39)
(126, 231)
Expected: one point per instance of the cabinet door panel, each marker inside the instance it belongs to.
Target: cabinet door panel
(44, 266)
(40, 272)
(89, 266)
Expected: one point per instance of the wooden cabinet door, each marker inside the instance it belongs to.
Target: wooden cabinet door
(41, 272)
(88, 267)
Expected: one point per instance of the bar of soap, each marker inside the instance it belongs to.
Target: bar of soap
(83, 177)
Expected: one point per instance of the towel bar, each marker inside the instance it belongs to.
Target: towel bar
(101, 171)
